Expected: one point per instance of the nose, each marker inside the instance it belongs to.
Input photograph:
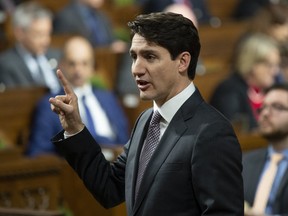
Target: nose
(137, 67)
(265, 110)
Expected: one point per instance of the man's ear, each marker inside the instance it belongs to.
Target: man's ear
(185, 59)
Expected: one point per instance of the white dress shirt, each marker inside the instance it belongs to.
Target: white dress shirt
(170, 107)
(100, 119)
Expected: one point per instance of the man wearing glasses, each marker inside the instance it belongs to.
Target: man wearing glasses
(265, 171)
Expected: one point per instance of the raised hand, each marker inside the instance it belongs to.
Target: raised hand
(66, 106)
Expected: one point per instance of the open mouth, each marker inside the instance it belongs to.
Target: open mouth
(142, 84)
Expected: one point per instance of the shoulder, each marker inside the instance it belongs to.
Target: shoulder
(233, 82)
(254, 155)
(7, 54)
(233, 86)
(54, 52)
(99, 92)
(68, 9)
(44, 100)
(10, 60)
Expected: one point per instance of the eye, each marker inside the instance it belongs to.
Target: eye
(150, 57)
(133, 56)
(279, 107)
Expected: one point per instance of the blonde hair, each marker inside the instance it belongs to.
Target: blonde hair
(251, 50)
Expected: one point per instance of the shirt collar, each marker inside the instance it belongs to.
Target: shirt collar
(271, 151)
(26, 53)
(83, 90)
(170, 107)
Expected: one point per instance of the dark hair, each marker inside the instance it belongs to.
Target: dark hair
(277, 86)
(172, 31)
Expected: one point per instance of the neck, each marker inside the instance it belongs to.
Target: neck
(280, 145)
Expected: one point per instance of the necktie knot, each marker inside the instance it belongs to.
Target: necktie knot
(276, 158)
(156, 117)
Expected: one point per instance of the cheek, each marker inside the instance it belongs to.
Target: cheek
(264, 78)
(283, 123)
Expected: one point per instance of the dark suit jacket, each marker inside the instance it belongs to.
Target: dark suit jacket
(46, 123)
(70, 21)
(195, 170)
(230, 98)
(246, 9)
(253, 163)
(15, 73)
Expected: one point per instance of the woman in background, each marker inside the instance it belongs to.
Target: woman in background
(255, 66)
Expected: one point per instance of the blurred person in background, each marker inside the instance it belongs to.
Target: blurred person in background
(85, 17)
(245, 9)
(109, 123)
(273, 126)
(284, 62)
(30, 62)
(272, 19)
(254, 68)
(199, 7)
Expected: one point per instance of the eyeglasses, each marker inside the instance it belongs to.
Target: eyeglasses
(273, 108)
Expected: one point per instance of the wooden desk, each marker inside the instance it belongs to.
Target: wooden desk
(250, 142)
(16, 110)
(30, 183)
(47, 183)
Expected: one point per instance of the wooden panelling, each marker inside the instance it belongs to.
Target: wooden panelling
(251, 141)
(222, 9)
(219, 43)
(27, 212)
(207, 82)
(48, 183)
(16, 110)
(30, 183)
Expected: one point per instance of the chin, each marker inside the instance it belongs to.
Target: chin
(144, 97)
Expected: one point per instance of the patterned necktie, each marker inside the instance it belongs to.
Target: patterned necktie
(152, 139)
(265, 184)
(90, 123)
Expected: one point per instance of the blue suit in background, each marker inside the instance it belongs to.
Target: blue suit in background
(46, 123)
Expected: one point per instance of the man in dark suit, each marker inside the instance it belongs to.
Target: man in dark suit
(30, 62)
(109, 124)
(273, 125)
(196, 165)
(85, 17)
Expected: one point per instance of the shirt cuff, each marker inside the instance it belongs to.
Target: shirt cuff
(66, 135)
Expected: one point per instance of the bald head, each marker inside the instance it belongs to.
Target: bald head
(184, 10)
(78, 61)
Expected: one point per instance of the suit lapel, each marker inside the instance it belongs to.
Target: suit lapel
(283, 184)
(24, 70)
(167, 142)
(137, 139)
(256, 170)
(171, 136)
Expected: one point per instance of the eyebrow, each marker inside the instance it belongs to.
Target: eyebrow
(143, 52)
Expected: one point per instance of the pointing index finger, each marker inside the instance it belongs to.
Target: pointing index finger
(64, 82)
